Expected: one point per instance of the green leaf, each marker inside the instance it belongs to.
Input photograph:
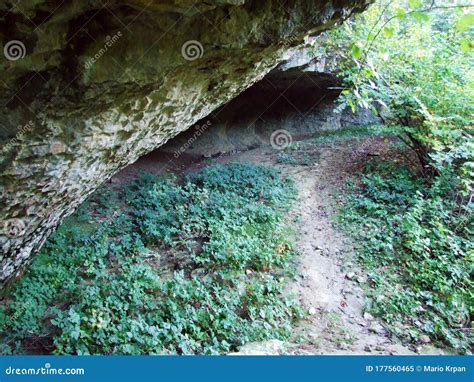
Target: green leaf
(388, 32)
(352, 106)
(356, 51)
(465, 22)
(466, 45)
(400, 13)
(414, 4)
(420, 16)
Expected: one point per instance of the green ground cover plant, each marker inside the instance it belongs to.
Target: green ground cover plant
(410, 62)
(162, 266)
(414, 238)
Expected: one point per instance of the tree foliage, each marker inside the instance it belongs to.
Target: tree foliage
(411, 63)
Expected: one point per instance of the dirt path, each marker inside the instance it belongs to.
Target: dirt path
(329, 282)
(328, 285)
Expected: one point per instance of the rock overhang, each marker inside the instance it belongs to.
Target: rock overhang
(91, 86)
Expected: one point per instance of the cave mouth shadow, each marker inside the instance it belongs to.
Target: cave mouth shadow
(296, 103)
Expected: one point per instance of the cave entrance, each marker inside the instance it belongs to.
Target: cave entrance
(286, 105)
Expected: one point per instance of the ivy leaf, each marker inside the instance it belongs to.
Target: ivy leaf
(356, 51)
(465, 22)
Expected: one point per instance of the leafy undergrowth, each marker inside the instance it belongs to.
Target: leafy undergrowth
(162, 267)
(414, 239)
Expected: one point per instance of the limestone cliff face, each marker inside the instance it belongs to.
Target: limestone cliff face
(88, 86)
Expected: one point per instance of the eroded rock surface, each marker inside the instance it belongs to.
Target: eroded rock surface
(89, 86)
(296, 100)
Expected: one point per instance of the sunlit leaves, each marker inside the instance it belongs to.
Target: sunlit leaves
(465, 22)
(388, 32)
(400, 13)
(414, 4)
(402, 61)
(421, 17)
(466, 45)
(356, 51)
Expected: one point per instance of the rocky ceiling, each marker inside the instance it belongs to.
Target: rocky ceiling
(88, 86)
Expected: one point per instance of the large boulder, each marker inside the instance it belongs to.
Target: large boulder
(87, 87)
